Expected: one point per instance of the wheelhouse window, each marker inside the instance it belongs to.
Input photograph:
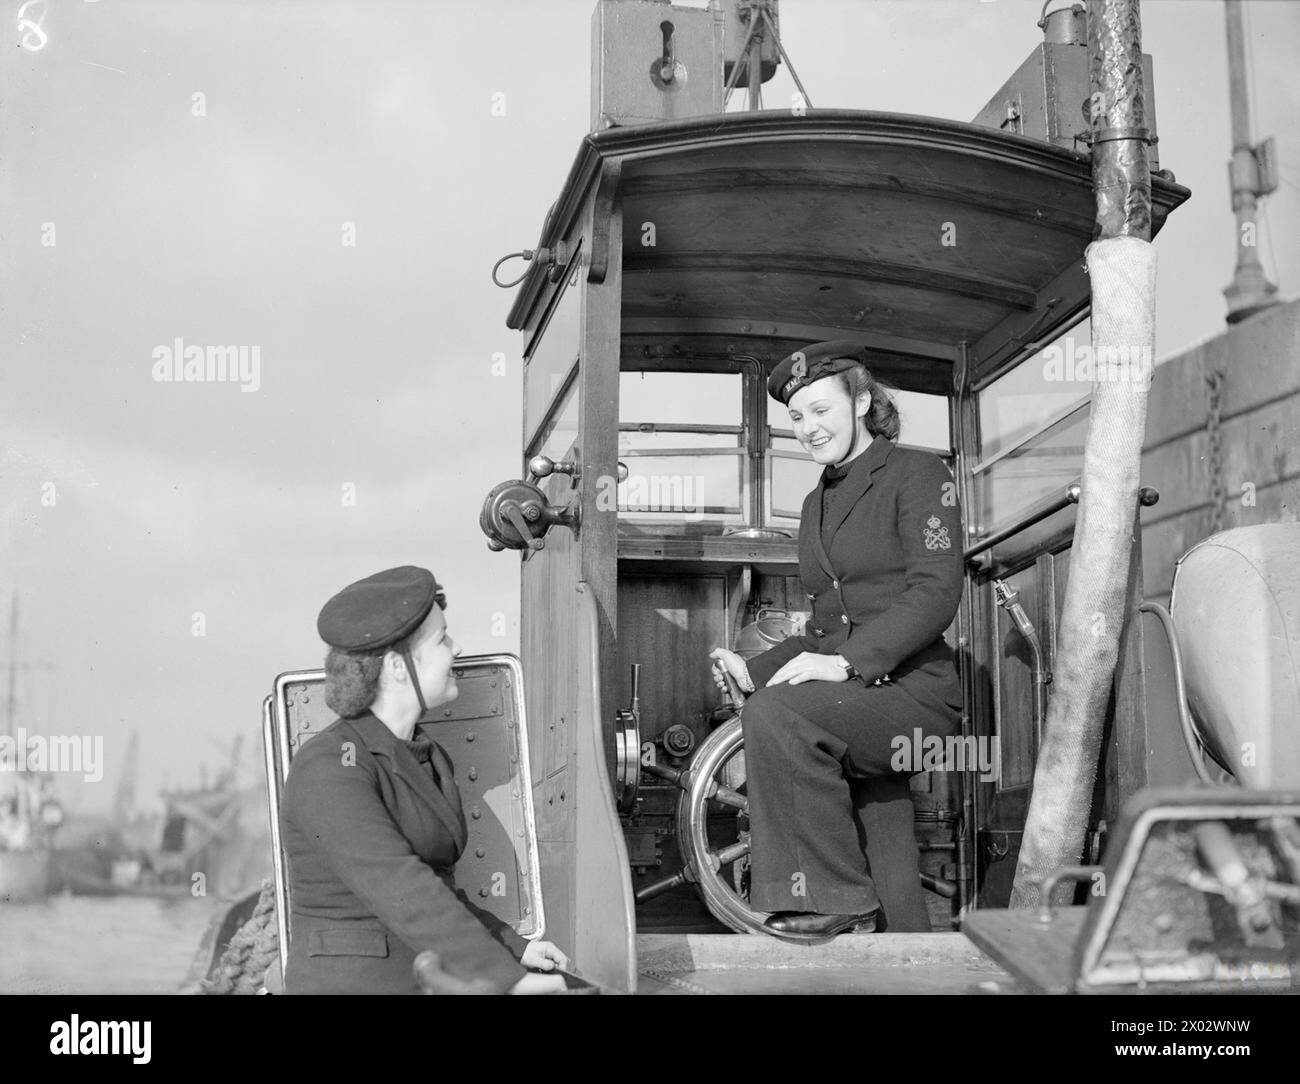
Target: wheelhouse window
(709, 452)
(681, 436)
(561, 430)
(1033, 422)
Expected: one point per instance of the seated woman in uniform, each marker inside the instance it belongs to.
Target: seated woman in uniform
(880, 558)
(371, 817)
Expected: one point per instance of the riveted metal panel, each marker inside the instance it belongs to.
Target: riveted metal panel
(484, 733)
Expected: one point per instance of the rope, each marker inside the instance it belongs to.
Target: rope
(254, 948)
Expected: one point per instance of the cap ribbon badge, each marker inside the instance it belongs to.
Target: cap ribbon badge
(798, 370)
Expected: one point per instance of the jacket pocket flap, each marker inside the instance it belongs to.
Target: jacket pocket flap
(347, 943)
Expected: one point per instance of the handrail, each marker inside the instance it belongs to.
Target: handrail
(1047, 507)
(1147, 496)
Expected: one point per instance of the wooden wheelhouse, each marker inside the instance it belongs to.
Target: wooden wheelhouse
(681, 261)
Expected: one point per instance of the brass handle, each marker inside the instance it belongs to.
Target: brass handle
(543, 466)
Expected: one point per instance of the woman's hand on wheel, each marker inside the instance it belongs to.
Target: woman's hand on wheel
(543, 956)
(533, 983)
(810, 666)
(729, 662)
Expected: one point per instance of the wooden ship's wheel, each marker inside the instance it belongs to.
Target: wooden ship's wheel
(721, 872)
(717, 776)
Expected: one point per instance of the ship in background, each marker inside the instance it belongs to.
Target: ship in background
(209, 839)
(30, 815)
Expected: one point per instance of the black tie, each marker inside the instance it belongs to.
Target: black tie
(422, 748)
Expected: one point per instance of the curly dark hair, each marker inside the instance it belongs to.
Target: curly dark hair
(882, 418)
(351, 680)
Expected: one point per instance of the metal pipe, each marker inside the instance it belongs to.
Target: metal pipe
(1250, 289)
(754, 65)
(1064, 873)
(1121, 174)
(1190, 737)
(1147, 496)
(1048, 507)
(684, 877)
(966, 443)
(1009, 599)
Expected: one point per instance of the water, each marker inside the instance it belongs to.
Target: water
(101, 945)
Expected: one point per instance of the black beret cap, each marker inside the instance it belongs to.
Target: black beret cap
(812, 363)
(380, 610)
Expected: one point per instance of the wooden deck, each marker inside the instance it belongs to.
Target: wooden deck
(888, 963)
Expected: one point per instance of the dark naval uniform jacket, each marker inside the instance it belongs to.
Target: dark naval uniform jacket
(884, 574)
(829, 810)
(371, 833)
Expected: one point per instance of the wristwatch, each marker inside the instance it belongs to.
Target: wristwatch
(850, 670)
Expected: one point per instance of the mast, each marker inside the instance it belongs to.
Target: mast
(13, 665)
(124, 795)
(1252, 175)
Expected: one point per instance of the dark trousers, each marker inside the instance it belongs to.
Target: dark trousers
(822, 792)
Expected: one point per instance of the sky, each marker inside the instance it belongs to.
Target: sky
(194, 169)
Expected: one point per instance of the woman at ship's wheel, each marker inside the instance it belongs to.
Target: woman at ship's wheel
(838, 711)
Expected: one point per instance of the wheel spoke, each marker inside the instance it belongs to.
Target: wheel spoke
(718, 859)
(728, 797)
(686, 876)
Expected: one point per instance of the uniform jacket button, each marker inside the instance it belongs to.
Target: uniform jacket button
(835, 584)
(844, 619)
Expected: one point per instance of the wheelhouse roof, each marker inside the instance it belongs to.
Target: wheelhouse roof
(910, 234)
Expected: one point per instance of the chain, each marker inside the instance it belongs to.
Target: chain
(1218, 493)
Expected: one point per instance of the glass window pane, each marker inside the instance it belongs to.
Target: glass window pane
(680, 398)
(1043, 465)
(923, 420)
(689, 486)
(552, 357)
(792, 480)
(1030, 395)
(562, 430)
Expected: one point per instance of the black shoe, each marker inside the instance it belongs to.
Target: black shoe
(810, 923)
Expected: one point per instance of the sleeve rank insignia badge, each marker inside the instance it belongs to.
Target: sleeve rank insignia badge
(936, 535)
